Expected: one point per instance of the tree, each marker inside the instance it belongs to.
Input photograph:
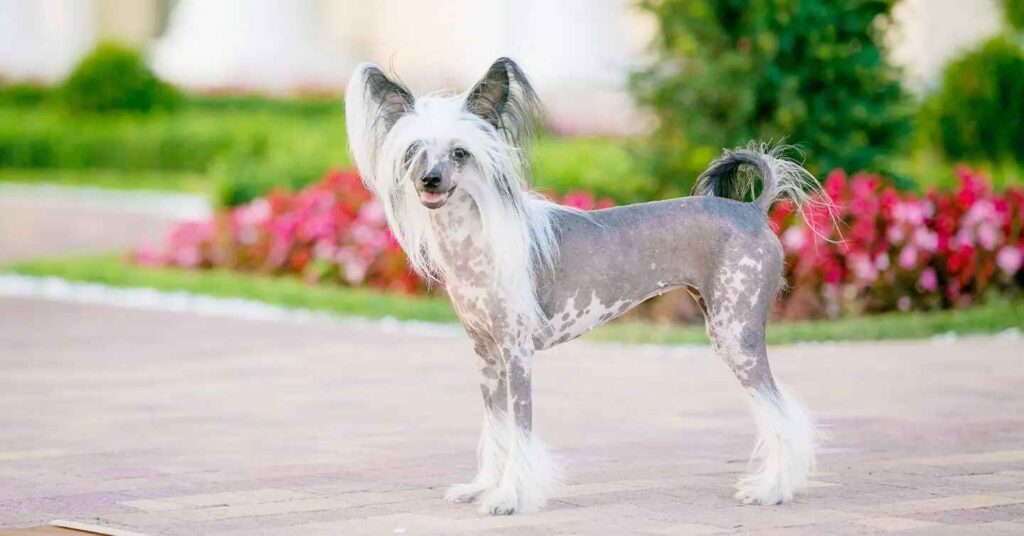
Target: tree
(729, 71)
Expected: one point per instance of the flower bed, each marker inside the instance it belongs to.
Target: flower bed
(898, 251)
(889, 251)
(332, 231)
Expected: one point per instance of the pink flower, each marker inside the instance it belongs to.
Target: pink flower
(908, 258)
(149, 255)
(988, 235)
(926, 240)
(372, 213)
(863, 268)
(1009, 259)
(580, 200)
(928, 281)
(794, 239)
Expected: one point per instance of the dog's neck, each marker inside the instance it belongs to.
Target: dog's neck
(463, 247)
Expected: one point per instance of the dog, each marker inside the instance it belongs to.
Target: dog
(525, 274)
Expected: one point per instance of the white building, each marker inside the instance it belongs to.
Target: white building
(578, 52)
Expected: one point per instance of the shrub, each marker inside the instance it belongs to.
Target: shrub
(1014, 12)
(116, 78)
(23, 94)
(729, 71)
(50, 138)
(246, 152)
(976, 112)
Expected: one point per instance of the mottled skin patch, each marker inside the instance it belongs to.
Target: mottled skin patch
(721, 250)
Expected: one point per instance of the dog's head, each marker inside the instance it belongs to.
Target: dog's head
(426, 148)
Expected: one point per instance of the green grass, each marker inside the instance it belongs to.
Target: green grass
(173, 181)
(290, 292)
(282, 291)
(989, 318)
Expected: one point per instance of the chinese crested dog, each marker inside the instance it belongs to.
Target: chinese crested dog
(524, 274)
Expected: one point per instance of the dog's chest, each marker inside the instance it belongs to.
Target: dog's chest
(470, 267)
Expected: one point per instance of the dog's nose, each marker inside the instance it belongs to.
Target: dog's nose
(431, 181)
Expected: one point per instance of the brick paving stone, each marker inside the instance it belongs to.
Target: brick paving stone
(170, 424)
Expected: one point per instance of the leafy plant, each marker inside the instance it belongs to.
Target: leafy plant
(114, 77)
(1014, 12)
(729, 71)
(976, 112)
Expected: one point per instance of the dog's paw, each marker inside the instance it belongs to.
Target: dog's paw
(465, 493)
(500, 501)
(752, 493)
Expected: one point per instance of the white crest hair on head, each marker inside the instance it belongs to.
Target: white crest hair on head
(494, 121)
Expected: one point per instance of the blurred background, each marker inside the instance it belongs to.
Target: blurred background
(228, 114)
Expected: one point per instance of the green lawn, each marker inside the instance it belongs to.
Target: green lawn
(289, 292)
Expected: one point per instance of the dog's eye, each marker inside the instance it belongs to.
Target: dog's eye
(410, 153)
(460, 154)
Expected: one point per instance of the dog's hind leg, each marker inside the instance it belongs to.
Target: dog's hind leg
(493, 446)
(738, 302)
(528, 473)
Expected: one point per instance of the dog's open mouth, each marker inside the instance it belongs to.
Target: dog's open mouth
(434, 199)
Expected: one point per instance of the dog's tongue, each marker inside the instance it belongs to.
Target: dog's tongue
(432, 197)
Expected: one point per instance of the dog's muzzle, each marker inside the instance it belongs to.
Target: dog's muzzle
(433, 190)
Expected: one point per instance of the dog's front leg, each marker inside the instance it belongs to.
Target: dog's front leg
(528, 474)
(493, 447)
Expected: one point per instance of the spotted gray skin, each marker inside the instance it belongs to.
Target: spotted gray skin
(500, 337)
(720, 249)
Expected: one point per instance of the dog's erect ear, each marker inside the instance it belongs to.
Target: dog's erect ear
(505, 99)
(373, 104)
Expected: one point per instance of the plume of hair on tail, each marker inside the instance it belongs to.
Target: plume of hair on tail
(734, 176)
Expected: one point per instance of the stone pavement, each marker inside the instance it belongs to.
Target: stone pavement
(176, 424)
(39, 221)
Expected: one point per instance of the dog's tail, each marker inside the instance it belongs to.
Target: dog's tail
(780, 177)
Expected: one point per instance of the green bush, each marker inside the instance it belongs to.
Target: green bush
(23, 94)
(1014, 12)
(246, 153)
(116, 78)
(976, 113)
(602, 166)
(51, 138)
(730, 71)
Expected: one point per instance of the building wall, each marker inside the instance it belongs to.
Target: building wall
(929, 33)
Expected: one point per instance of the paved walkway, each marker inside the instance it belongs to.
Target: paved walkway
(36, 221)
(176, 424)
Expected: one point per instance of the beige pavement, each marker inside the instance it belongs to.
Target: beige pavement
(39, 221)
(174, 424)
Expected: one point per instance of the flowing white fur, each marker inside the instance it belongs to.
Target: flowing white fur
(517, 225)
(783, 456)
(529, 474)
